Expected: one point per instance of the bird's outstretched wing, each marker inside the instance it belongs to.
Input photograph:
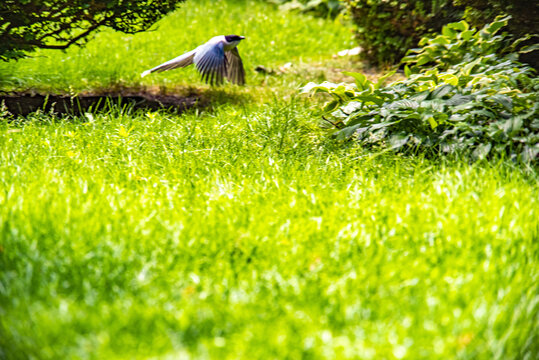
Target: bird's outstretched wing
(181, 61)
(210, 62)
(235, 71)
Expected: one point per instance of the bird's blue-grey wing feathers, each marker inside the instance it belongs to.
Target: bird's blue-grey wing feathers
(235, 71)
(180, 61)
(210, 62)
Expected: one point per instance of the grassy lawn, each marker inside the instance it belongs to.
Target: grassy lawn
(243, 231)
(115, 60)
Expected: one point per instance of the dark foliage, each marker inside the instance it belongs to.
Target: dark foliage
(524, 19)
(524, 14)
(56, 24)
(387, 29)
(322, 8)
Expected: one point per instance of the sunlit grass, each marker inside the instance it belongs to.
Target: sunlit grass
(241, 234)
(244, 231)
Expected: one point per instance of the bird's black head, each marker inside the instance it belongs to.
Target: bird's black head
(230, 38)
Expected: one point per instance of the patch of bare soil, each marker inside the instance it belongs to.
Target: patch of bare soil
(26, 103)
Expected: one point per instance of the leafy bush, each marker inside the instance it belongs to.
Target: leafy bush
(524, 15)
(57, 24)
(472, 99)
(387, 29)
(458, 43)
(323, 8)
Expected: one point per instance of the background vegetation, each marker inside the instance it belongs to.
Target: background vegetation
(114, 61)
(323, 8)
(387, 29)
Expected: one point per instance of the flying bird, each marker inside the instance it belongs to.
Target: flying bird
(215, 60)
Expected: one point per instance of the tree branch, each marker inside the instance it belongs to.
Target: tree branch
(71, 41)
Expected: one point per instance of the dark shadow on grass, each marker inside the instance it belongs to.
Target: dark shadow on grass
(173, 100)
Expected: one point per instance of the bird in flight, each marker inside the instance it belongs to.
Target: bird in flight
(215, 60)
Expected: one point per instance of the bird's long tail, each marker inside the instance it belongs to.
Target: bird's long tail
(181, 61)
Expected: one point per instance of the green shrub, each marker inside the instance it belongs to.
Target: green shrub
(387, 29)
(524, 15)
(462, 94)
(323, 8)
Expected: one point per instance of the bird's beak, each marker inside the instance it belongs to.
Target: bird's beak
(242, 37)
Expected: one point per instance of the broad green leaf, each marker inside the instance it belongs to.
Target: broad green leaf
(331, 105)
(423, 59)
(409, 59)
(530, 153)
(512, 125)
(313, 88)
(370, 99)
(450, 79)
(517, 124)
(483, 112)
(467, 35)
(496, 25)
(308, 88)
(398, 140)
(347, 132)
(529, 48)
(440, 40)
(461, 25)
(481, 151)
(407, 71)
(383, 125)
(504, 100)
(422, 95)
(466, 69)
(459, 99)
(404, 104)
(361, 79)
(433, 124)
(425, 87)
(448, 31)
(383, 78)
(442, 91)
(351, 107)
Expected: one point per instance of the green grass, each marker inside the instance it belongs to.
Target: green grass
(115, 60)
(239, 234)
(244, 232)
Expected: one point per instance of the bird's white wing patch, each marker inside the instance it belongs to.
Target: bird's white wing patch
(235, 71)
(180, 61)
(210, 62)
